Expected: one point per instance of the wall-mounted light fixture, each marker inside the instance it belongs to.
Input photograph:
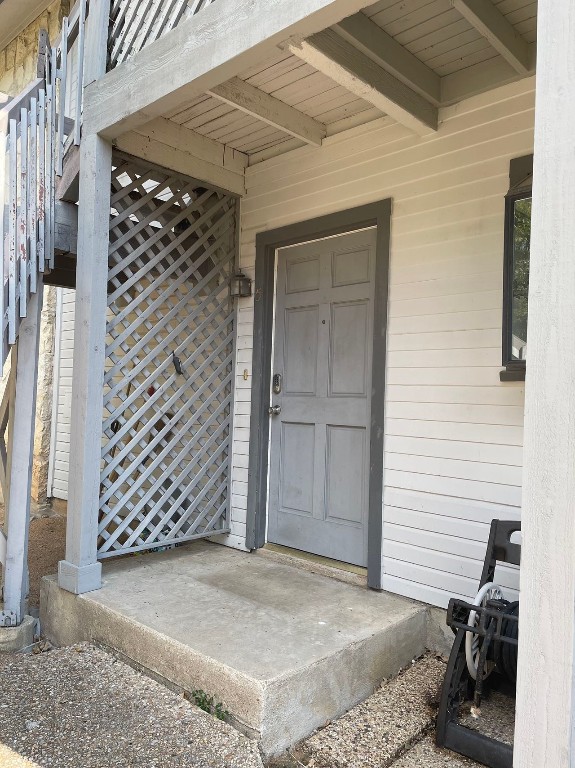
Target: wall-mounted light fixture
(241, 286)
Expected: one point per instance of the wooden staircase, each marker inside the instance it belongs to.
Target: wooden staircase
(37, 130)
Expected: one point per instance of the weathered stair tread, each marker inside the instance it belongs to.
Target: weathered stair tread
(377, 731)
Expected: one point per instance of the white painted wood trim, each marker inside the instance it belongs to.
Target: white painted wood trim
(80, 572)
(272, 111)
(335, 57)
(55, 391)
(545, 719)
(372, 40)
(199, 54)
(493, 25)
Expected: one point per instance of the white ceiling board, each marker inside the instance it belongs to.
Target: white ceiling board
(440, 37)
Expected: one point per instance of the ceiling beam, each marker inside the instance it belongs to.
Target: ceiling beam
(245, 97)
(180, 149)
(203, 51)
(329, 53)
(493, 25)
(372, 40)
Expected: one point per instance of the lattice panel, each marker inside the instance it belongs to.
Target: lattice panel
(169, 361)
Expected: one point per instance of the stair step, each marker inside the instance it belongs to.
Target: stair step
(376, 732)
(67, 185)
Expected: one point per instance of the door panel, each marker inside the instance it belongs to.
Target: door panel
(300, 350)
(319, 460)
(297, 467)
(345, 474)
(302, 274)
(349, 355)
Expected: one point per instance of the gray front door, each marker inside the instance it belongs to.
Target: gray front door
(319, 463)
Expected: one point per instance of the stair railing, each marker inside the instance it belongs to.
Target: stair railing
(36, 130)
(136, 23)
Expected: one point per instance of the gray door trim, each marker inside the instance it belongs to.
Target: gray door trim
(374, 214)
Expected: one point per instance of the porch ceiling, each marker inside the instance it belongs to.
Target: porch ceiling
(459, 55)
(436, 32)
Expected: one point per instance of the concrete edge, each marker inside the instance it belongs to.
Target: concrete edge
(384, 653)
(17, 639)
(231, 719)
(439, 637)
(321, 569)
(65, 623)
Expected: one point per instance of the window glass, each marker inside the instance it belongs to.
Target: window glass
(520, 281)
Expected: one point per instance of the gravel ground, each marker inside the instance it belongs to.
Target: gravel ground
(375, 732)
(497, 718)
(426, 755)
(79, 707)
(394, 727)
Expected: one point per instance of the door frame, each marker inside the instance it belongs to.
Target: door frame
(267, 243)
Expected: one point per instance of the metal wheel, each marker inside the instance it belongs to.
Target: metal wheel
(489, 591)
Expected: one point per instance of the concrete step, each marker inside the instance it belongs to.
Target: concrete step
(391, 729)
(284, 650)
(395, 727)
(376, 732)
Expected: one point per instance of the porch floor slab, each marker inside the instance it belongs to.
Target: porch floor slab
(283, 649)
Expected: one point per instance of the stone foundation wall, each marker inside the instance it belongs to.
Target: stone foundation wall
(44, 397)
(18, 60)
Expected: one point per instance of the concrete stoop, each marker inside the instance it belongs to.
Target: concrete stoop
(284, 650)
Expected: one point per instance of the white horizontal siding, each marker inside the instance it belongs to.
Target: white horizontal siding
(453, 431)
(60, 450)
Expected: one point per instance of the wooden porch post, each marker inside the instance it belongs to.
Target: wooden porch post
(81, 572)
(22, 450)
(545, 692)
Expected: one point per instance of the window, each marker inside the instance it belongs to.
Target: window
(516, 268)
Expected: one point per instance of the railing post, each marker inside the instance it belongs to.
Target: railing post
(96, 43)
(81, 572)
(22, 450)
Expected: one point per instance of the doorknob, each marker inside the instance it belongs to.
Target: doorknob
(274, 410)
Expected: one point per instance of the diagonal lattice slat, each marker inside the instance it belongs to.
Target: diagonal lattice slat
(168, 381)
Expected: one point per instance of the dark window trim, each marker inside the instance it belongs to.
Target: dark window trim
(520, 171)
